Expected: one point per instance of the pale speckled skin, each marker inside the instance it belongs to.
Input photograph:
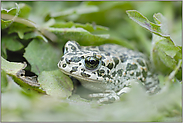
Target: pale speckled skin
(117, 67)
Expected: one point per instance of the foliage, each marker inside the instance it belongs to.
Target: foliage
(164, 53)
(35, 33)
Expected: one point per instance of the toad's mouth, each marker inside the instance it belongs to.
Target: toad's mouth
(81, 78)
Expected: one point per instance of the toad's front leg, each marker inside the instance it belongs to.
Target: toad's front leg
(110, 95)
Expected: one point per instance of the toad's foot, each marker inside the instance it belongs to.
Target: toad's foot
(110, 95)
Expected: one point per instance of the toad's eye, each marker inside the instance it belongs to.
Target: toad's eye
(91, 62)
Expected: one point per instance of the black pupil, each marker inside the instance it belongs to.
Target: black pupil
(91, 62)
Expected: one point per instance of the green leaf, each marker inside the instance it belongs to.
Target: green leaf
(42, 56)
(168, 47)
(176, 33)
(56, 84)
(175, 71)
(11, 67)
(89, 27)
(11, 43)
(78, 34)
(24, 10)
(4, 81)
(161, 20)
(5, 24)
(144, 22)
(82, 9)
(20, 29)
(119, 41)
(12, 16)
(21, 10)
(3, 51)
(165, 55)
(35, 34)
(167, 60)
